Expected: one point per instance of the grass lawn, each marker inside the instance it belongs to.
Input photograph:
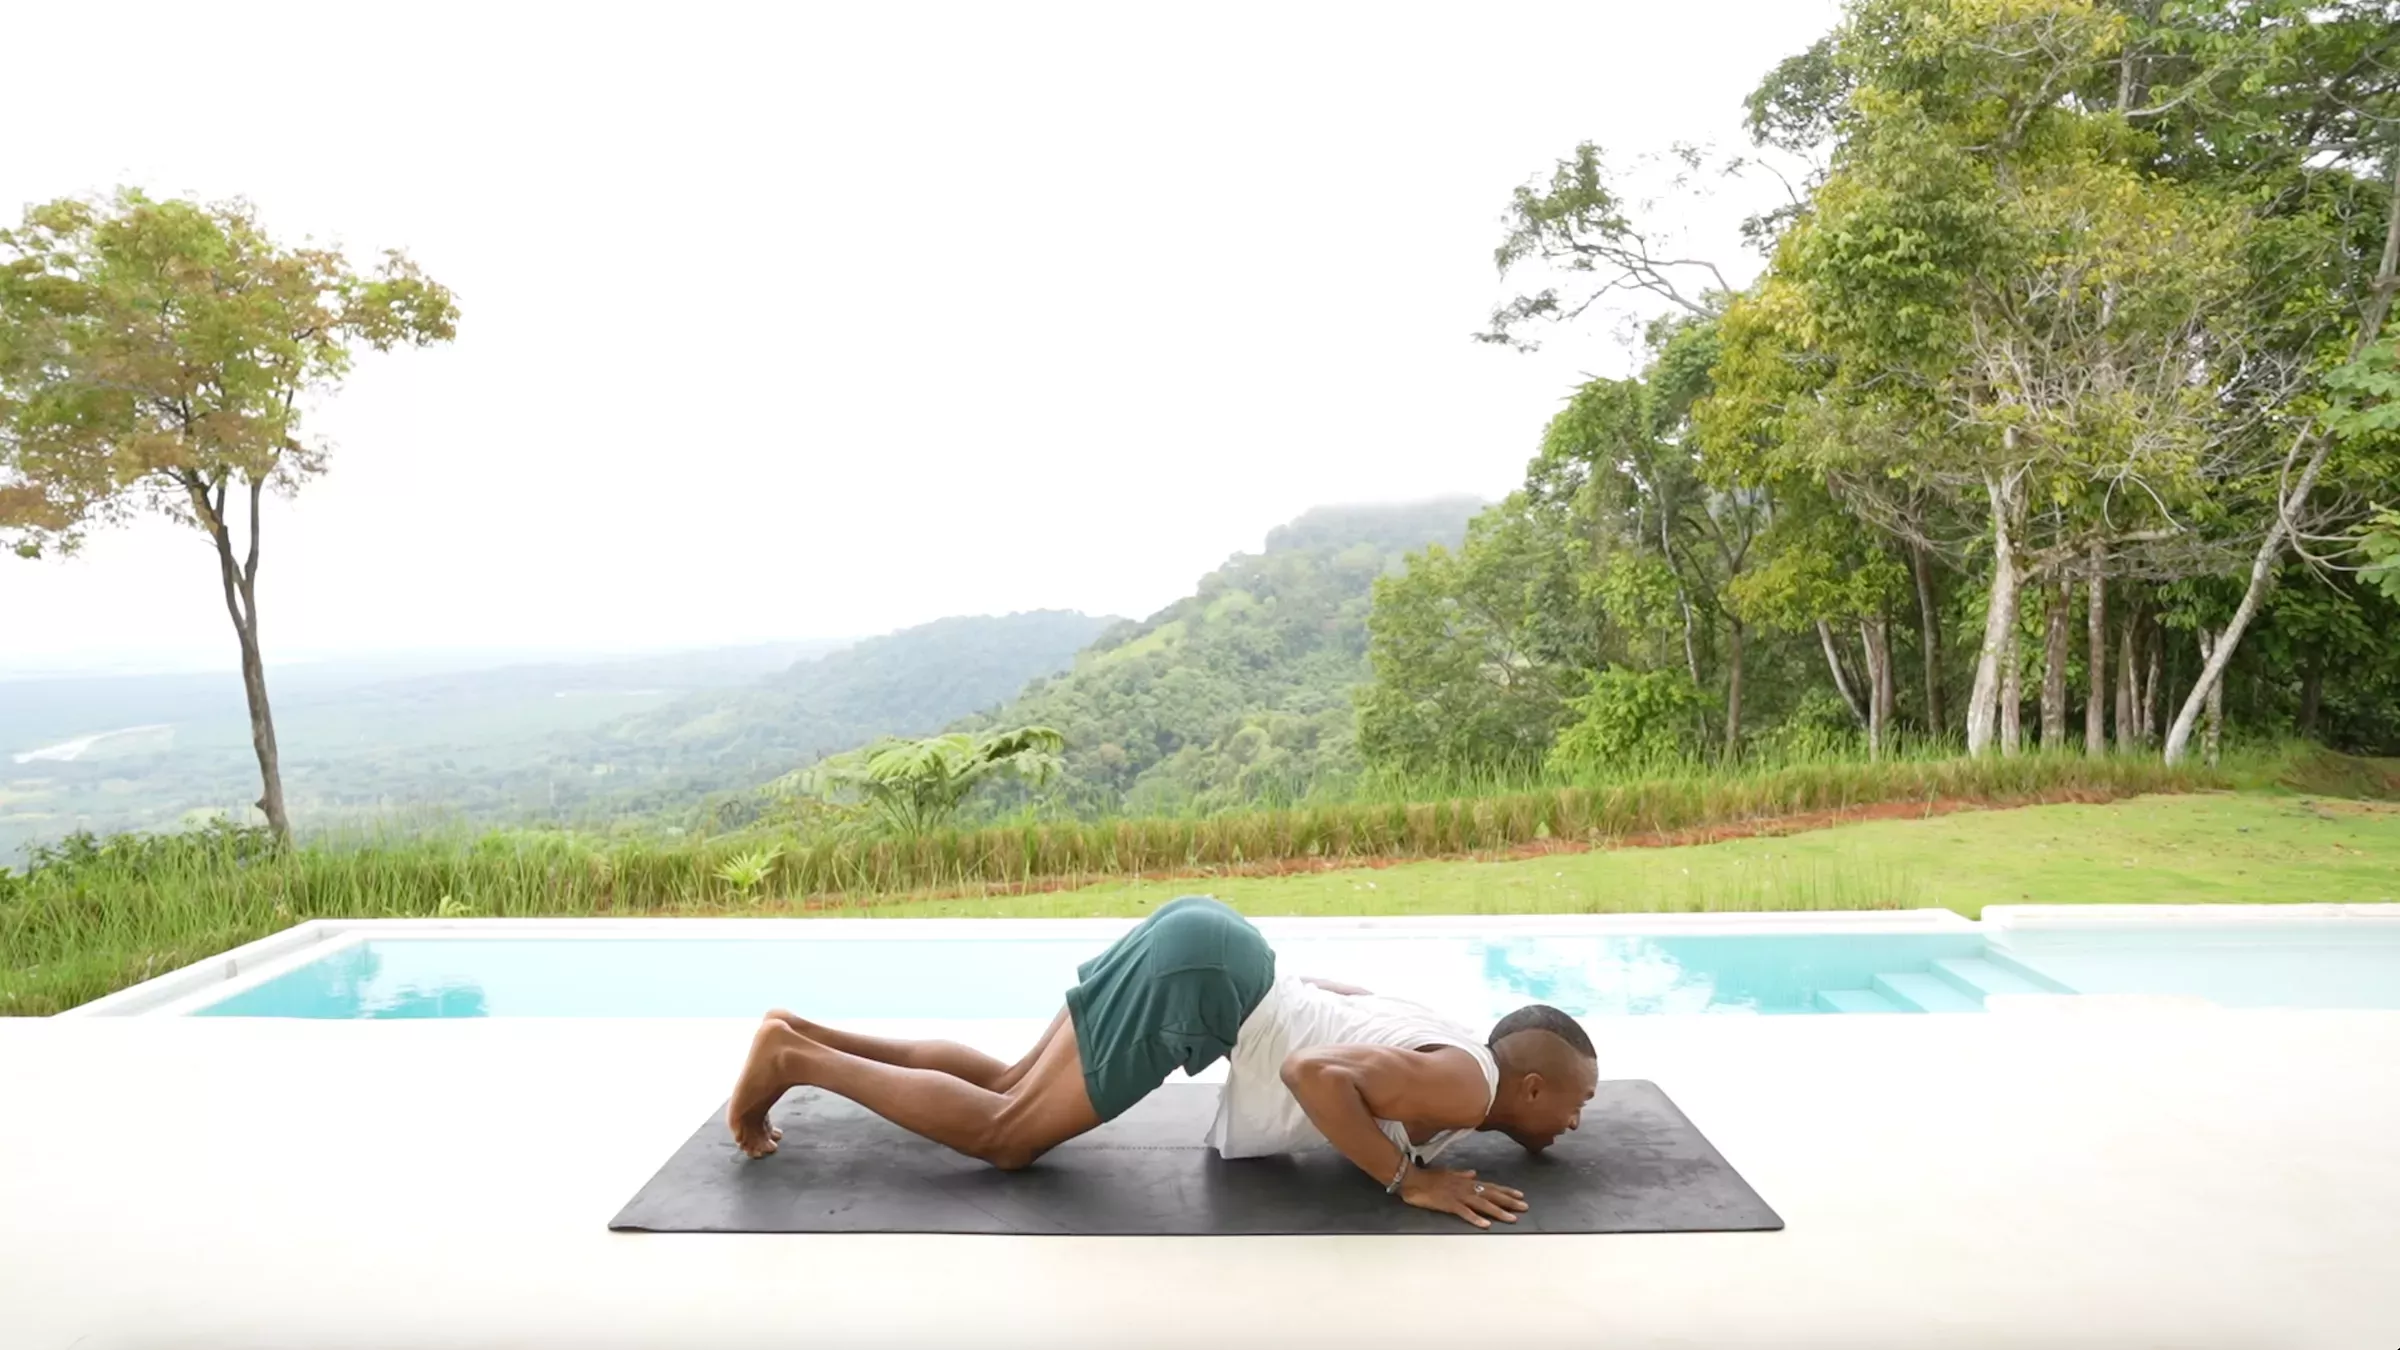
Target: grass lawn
(2225, 847)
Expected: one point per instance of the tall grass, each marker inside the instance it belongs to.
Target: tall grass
(103, 917)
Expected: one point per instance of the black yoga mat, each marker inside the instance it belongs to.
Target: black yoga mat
(1636, 1166)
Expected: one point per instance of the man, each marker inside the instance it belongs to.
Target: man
(1386, 1082)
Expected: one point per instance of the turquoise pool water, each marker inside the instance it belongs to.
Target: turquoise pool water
(1473, 978)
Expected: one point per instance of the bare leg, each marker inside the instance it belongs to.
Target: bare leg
(948, 1057)
(1044, 1108)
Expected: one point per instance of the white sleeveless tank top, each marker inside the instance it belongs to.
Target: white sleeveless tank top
(1258, 1115)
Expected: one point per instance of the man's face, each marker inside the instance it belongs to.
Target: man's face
(1551, 1108)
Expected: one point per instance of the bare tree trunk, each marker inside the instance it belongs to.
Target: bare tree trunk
(240, 579)
(2214, 719)
(1875, 634)
(1683, 601)
(2129, 727)
(1841, 678)
(1929, 638)
(1691, 653)
(2054, 667)
(1984, 702)
(2152, 688)
(2012, 696)
(1733, 689)
(2289, 505)
(2095, 694)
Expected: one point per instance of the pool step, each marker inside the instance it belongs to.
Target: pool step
(1855, 1001)
(1976, 978)
(1924, 993)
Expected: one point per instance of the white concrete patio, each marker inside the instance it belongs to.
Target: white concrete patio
(2107, 1176)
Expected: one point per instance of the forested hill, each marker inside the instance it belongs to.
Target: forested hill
(1242, 690)
(912, 682)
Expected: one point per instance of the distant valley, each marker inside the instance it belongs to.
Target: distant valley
(1248, 679)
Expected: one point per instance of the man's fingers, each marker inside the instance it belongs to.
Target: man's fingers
(1463, 1211)
(1493, 1207)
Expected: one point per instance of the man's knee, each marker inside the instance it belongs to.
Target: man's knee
(1008, 1145)
(1013, 1157)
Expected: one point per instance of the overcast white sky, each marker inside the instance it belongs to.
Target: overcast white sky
(787, 321)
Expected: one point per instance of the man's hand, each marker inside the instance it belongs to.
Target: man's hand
(1459, 1193)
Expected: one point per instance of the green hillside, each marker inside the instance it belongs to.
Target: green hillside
(1241, 691)
(909, 683)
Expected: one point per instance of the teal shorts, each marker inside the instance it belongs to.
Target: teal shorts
(1172, 994)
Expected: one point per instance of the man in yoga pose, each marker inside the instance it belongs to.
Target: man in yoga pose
(1386, 1082)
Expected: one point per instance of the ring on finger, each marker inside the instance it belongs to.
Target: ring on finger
(1479, 1188)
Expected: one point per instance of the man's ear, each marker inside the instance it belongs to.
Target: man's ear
(1531, 1087)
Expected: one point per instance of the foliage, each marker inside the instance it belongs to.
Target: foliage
(1819, 727)
(1629, 720)
(910, 787)
(1470, 649)
(151, 352)
(1240, 692)
(2382, 545)
(745, 871)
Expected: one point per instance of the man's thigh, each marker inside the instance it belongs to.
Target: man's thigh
(1050, 1104)
(1016, 1072)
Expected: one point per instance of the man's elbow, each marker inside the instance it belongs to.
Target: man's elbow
(1305, 1069)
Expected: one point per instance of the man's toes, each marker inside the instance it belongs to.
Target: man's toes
(775, 1135)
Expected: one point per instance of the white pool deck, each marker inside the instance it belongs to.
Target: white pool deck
(2110, 1174)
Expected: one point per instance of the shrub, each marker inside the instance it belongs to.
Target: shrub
(1630, 720)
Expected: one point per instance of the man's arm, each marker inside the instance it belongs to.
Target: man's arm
(1335, 986)
(1345, 1089)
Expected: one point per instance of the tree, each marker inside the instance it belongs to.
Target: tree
(155, 357)
(916, 786)
(1579, 227)
(1475, 653)
(1824, 569)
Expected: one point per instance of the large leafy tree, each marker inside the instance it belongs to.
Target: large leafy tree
(157, 357)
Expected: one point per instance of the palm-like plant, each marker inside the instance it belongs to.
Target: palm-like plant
(916, 786)
(744, 871)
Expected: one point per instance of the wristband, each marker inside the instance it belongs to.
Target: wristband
(1392, 1187)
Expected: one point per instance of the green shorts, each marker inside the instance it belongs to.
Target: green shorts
(1171, 994)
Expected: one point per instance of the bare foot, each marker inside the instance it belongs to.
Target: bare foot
(766, 1075)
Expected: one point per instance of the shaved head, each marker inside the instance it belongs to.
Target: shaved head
(1548, 1070)
(1541, 1017)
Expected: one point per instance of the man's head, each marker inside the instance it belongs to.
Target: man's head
(1547, 1073)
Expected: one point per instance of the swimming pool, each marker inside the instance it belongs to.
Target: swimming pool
(1920, 962)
